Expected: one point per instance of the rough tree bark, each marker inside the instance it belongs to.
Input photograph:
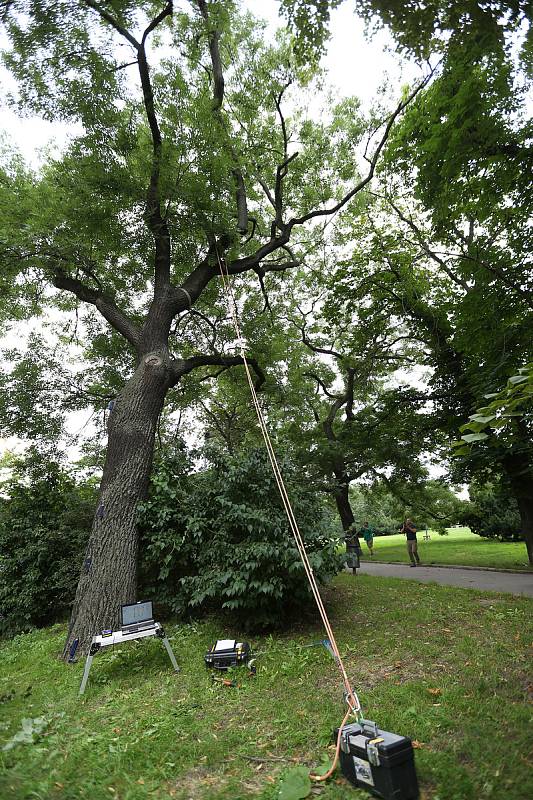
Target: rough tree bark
(108, 576)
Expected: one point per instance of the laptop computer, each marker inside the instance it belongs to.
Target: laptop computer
(137, 617)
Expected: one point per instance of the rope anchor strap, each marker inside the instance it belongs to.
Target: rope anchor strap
(353, 700)
(187, 295)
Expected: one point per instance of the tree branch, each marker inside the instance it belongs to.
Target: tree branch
(427, 249)
(322, 385)
(154, 218)
(113, 22)
(107, 308)
(373, 163)
(181, 367)
(350, 395)
(208, 268)
(218, 99)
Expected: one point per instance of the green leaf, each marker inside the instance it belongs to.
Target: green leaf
(295, 784)
(475, 437)
(472, 426)
(518, 379)
(462, 451)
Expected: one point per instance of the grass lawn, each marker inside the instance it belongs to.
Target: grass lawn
(447, 667)
(460, 546)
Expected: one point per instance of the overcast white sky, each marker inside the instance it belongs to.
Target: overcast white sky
(355, 66)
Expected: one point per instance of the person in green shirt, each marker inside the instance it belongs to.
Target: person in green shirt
(368, 535)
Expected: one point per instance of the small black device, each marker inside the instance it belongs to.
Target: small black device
(137, 616)
(228, 653)
(381, 762)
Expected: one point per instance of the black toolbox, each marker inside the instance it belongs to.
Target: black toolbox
(228, 653)
(381, 762)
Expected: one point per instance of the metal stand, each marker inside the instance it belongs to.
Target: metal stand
(118, 637)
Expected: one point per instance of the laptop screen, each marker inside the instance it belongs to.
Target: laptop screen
(137, 612)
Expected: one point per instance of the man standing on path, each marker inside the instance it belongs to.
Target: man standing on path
(412, 548)
(368, 535)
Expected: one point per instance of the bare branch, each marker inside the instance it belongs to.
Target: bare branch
(123, 66)
(267, 191)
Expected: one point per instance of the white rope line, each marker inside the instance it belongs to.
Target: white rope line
(351, 696)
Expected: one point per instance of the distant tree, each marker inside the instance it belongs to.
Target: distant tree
(430, 503)
(455, 256)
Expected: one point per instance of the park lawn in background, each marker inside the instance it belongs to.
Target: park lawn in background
(459, 547)
(446, 666)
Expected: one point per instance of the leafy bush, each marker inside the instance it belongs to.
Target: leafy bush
(493, 513)
(219, 538)
(44, 525)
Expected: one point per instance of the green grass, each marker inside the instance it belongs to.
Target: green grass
(447, 667)
(459, 547)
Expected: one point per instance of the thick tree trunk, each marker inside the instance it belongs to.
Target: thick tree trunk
(342, 500)
(520, 476)
(525, 506)
(109, 572)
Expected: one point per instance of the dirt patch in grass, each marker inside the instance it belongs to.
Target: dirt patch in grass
(203, 781)
(196, 783)
(485, 601)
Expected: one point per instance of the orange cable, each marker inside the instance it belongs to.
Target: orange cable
(331, 770)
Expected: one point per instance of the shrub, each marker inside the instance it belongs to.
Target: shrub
(219, 539)
(44, 525)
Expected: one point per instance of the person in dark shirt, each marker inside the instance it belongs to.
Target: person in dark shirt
(412, 547)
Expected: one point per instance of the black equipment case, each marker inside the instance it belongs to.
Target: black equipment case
(380, 762)
(228, 653)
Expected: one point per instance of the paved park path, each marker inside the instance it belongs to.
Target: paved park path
(486, 580)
